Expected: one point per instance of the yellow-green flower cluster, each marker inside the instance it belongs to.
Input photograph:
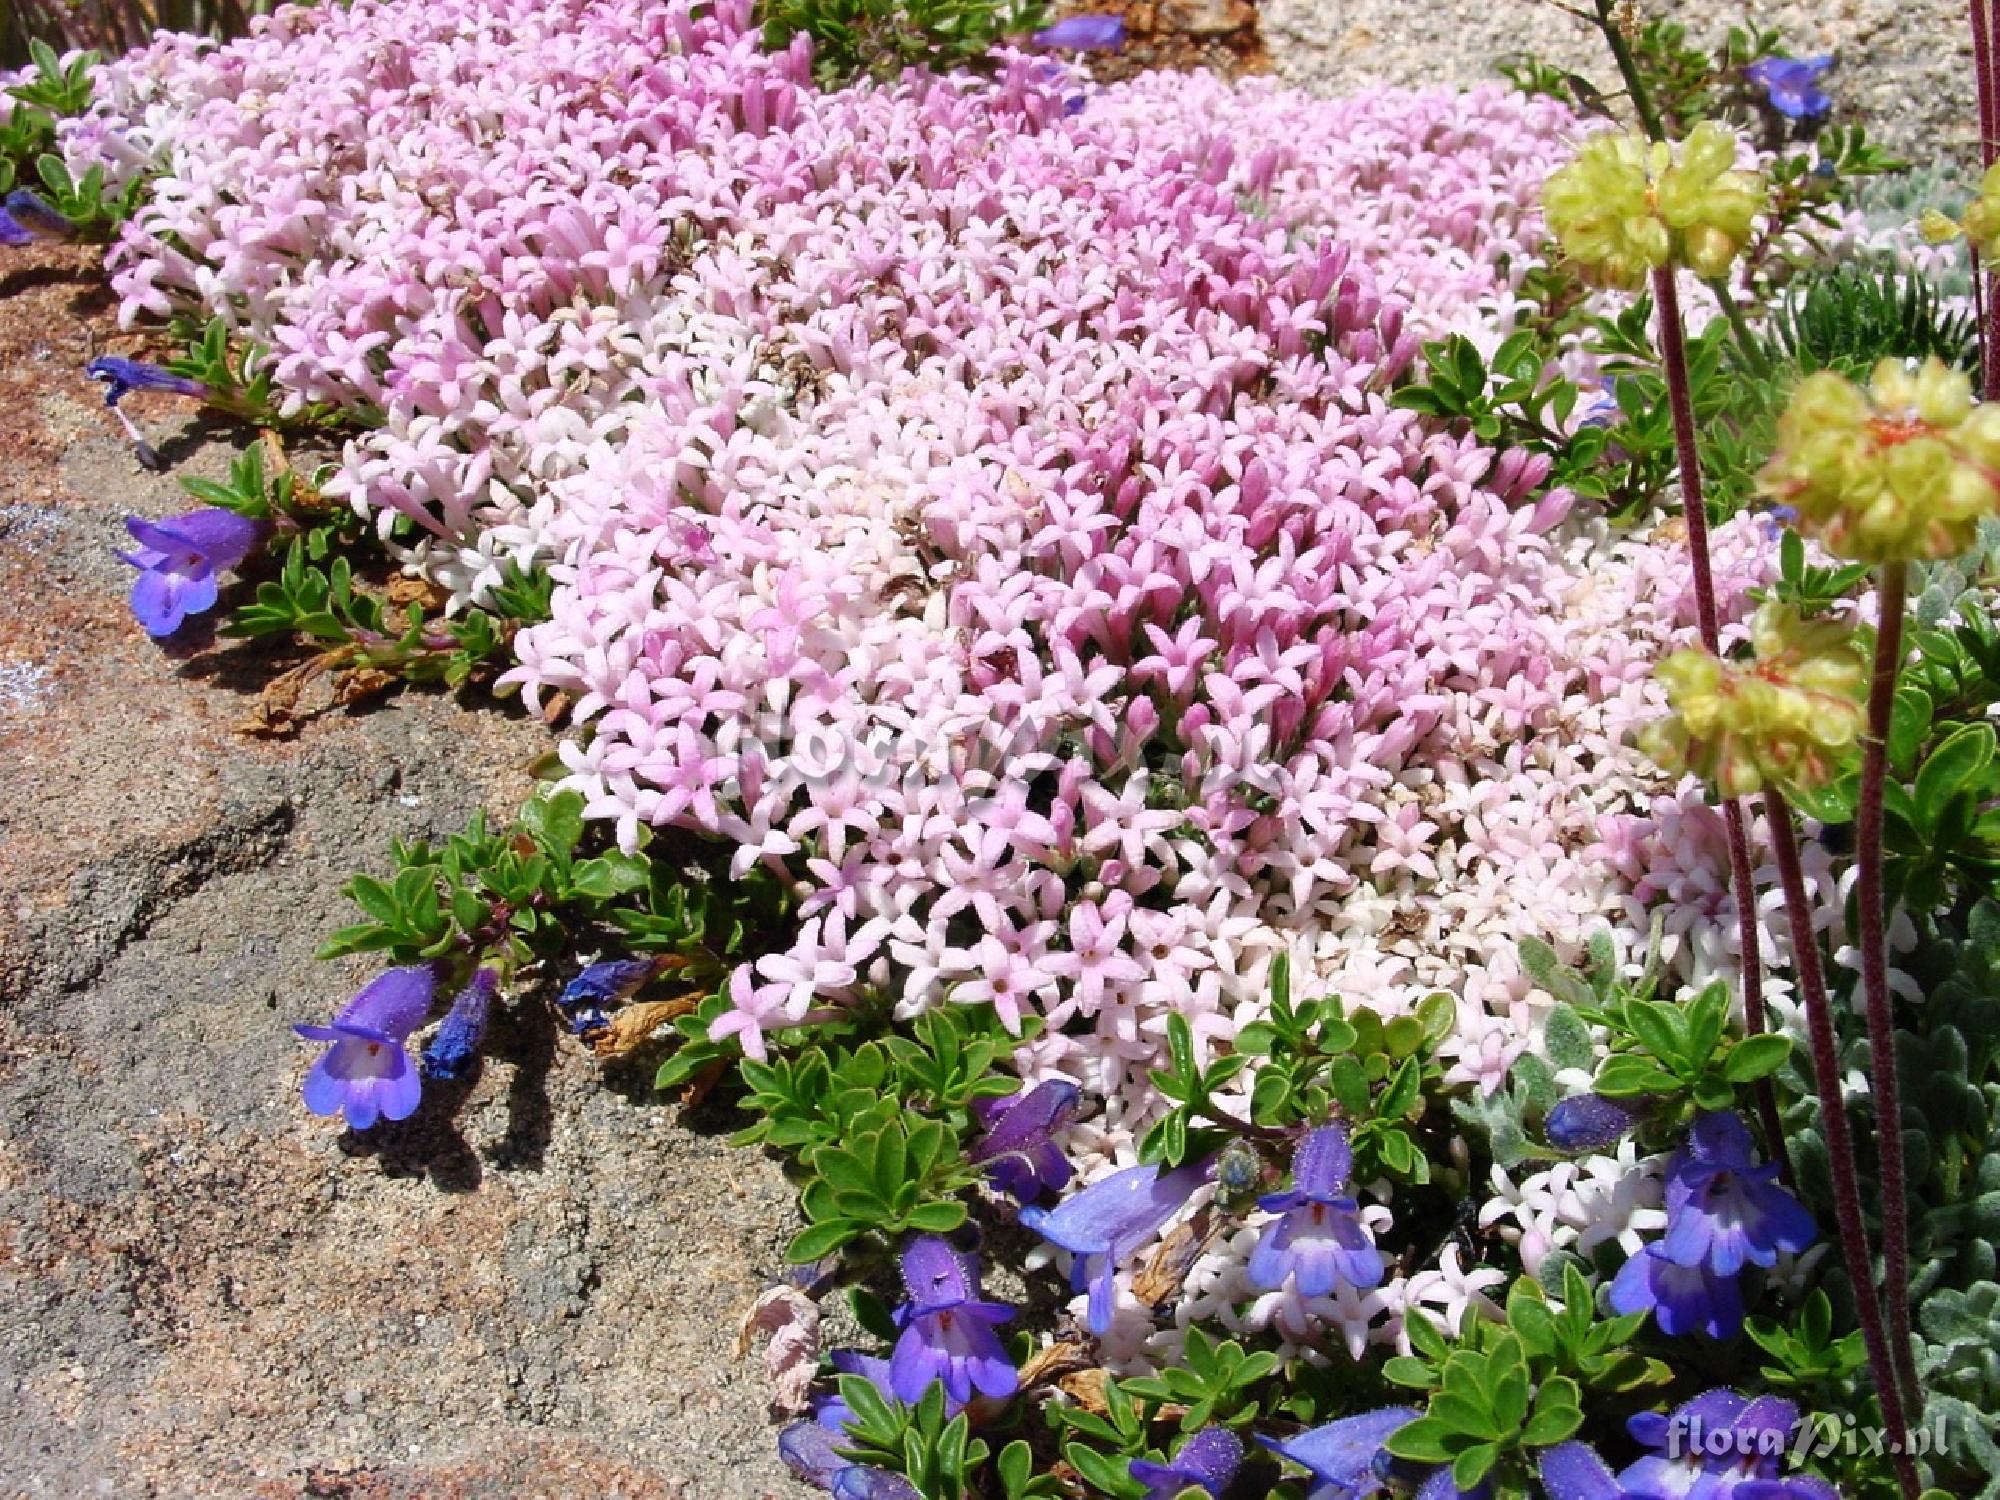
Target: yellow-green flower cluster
(1790, 718)
(1626, 205)
(1981, 223)
(1903, 469)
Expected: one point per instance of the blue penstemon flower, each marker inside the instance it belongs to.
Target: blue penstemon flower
(178, 560)
(1206, 1461)
(947, 1331)
(366, 1075)
(1107, 1221)
(1018, 1152)
(1319, 1240)
(1724, 1213)
(452, 1052)
(1792, 84)
(1084, 34)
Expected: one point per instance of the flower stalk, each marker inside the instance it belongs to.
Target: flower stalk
(1986, 79)
(1839, 1139)
(1673, 361)
(1875, 978)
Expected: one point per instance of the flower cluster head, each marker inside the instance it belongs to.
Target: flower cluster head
(947, 1331)
(178, 560)
(1207, 1462)
(1107, 1221)
(1791, 717)
(1981, 223)
(1319, 1239)
(1724, 1214)
(1018, 1150)
(366, 1075)
(1792, 85)
(1902, 469)
(1626, 205)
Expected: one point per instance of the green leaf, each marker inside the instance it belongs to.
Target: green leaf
(1567, 1039)
(937, 1217)
(1473, 1465)
(1661, 1029)
(1626, 1075)
(1756, 1057)
(821, 1240)
(1425, 1440)
(1949, 769)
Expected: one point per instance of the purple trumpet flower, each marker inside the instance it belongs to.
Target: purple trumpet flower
(1206, 1461)
(12, 232)
(452, 1052)
(812, 1452)
(1320, 1241)
(947, 1332)
(178, 560)
(1107, 1221)
(588, 1000)
(1682, 1299)
(1723, 1211)
(1589, 1122)
(123, 376)
(31, 211)
(1084, 34)
(1017, 1151)
(1347, 1457)
(365, 1074)
(1573, 1471)
(1716, 1446)
(1792, 84)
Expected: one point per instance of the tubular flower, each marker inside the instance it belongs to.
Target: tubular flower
(1791, 718)
(1107, 1221)
(947, 1330)
(1320, 1240)
(452, 1052)
(366, 1075)
(1626, 205)
(1903, 469)
(1207, 1461)
(1020, 1158)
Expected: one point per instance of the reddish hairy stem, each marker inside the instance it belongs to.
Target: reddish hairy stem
(1852, 1231)
(1673, 360)
(1875, 982)
(1986, 78)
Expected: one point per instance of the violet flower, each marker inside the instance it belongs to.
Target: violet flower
(1320, 1241)
(1590, 1122)
(178, 560)
(11, 232)
(452, 1052)
(1017, 1151)
(123, 376)
(1723, 1211)
(1682, 1299)
(1792, 84)
(1107, 1221)
(947, 1331)
(588, 1000)
(1573, 1471)
(1206, 1461)
(365, 1074)
(1716, 1446)
(31, 211)
(1084, 34)
(812, 1452)
(1347, 1457)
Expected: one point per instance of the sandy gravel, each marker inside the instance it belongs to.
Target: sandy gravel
(1904, 66)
